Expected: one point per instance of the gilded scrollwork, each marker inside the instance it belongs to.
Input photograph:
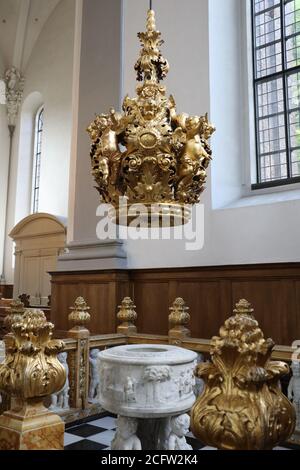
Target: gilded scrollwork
(31, 368)
(242, 406)
(14, 313)
(150, 154)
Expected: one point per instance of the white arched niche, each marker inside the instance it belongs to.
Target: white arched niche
(30, 107)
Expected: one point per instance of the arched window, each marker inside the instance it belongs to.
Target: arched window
(276, 53)
(39, 124)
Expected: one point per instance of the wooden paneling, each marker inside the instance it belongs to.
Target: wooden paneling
(204, 301)
(102, 291)
(6, 291)
(275, 306)
(210, 292)
(152, 305)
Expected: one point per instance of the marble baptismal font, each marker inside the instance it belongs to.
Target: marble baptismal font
(151, 389)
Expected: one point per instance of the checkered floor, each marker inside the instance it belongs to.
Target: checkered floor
(98, 434)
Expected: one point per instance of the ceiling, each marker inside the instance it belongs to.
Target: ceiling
(21, 22)
(9, 14)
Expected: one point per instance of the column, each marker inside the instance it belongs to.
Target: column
(97, 86)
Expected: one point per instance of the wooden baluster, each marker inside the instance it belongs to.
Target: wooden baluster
(79, 359)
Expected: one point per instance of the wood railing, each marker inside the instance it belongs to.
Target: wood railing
(80, 343)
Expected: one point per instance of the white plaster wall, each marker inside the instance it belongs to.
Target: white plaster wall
(4, 152)
(49, 72)
(207, 58)
(97, 88)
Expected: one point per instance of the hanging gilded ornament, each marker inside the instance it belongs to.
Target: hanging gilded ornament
(149, 159)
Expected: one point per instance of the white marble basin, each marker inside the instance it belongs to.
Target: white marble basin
(147, 381)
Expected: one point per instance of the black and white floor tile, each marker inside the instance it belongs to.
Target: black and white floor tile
(97, 434)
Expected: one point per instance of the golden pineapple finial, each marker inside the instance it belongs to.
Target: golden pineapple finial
(79, 317)
(127, 316)
(178, 319)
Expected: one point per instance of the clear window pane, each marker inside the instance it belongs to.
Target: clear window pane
(37, 160)
(276, 28)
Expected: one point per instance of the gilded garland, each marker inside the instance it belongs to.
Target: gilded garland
(149, 154)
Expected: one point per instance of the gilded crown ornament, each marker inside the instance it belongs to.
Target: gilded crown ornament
(149, 155)
(242, 406)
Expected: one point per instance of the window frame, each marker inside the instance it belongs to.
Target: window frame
(283, 74)
(38, 135)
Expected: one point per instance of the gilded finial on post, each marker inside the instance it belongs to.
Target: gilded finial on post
(178, 319)
(127, 317)
(79, 317)
(242, 406)
(30, 372)
(151, 25)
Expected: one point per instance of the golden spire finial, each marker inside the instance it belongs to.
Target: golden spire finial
(243, 307)
(151, 25)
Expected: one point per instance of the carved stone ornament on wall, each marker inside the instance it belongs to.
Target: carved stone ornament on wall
(14, 83)
(242, 406)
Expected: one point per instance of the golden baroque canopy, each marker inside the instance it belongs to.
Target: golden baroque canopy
(149, 154)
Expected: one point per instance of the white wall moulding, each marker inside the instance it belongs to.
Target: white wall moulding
(107, 254)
